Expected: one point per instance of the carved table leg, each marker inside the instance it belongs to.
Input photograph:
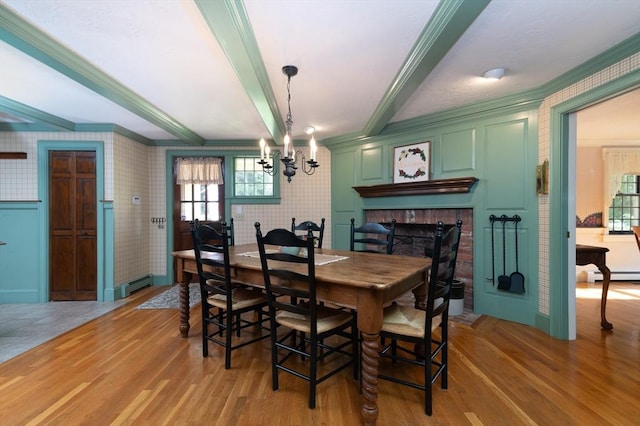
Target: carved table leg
(370, 361)
(184, 309)
(606, 277)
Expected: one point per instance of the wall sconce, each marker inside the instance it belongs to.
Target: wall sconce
(542, 178)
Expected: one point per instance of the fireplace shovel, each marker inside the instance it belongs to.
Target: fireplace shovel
(517, 279)
(504, 281)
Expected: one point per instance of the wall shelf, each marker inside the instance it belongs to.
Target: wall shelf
(13, 155)
(429, 187)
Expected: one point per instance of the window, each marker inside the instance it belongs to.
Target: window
(624, 211)
(249, 179)
(202, 202)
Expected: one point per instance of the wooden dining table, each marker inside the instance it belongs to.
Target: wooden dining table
(366, 282)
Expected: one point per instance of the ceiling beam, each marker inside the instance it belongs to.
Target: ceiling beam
(229, 23)
(449, 21)
(22, 35)
(31, 114)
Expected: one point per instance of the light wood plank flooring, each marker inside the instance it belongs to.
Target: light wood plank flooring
(131, 367)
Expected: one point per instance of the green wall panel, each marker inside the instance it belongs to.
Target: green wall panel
(505, 165)
(458, 152)
(343, 197)
(20, 264)
(371, 163)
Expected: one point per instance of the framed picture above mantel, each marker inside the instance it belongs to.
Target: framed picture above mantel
(412, 163)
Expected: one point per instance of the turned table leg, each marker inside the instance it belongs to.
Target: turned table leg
(184, 309)
(183, 297)
(370, 361)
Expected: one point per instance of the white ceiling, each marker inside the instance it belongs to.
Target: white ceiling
(351, 54)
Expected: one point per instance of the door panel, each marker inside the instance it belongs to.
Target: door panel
(73, 225)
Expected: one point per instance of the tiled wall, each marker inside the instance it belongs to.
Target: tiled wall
(131, 221)
(544, 152)
(305, 198)
(19, 178)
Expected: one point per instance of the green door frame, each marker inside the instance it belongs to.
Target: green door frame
(558, 202)
(105, 267)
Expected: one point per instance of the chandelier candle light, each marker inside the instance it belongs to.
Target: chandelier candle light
(289, 155)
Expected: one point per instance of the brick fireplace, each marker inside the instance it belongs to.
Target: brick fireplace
(414, 231)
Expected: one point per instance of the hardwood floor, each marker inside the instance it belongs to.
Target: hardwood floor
(131, 367)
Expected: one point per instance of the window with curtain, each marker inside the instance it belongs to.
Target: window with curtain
(201, 188)
(622, 188)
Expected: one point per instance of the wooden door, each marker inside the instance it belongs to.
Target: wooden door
(72, 225)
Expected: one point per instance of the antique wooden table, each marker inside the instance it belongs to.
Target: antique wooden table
(586, 255)
(362, 281)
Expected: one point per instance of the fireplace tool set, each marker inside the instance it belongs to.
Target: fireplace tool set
(514, 282)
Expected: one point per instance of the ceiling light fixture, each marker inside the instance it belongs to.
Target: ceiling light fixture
(289, 156)
(494, 74)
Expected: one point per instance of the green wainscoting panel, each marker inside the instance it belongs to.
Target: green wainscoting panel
(372, 164)
(21, 269)
(457, 152)
(343, 196)
(505, 165)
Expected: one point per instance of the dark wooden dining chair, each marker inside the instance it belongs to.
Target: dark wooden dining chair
(299, 324)
(223, 301)
(217, 225)
(416, 326)
(302, 226)
(372, 237)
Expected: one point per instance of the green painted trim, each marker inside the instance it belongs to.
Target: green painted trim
(25, 37)
(229, 23)
(449, 21)
(44, 146)
(483, 110)
(622, 50)
(106, 268)
(415, 127)
(542, 323)
(24, 127)
(160, 280)
(29, 113)
(559, 194)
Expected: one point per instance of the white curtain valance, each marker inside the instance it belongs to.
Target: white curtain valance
(202, 171)
(617, 163)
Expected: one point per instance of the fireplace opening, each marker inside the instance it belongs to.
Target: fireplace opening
(415, 230)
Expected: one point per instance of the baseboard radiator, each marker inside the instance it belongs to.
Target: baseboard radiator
(135, 285)
(593, 276)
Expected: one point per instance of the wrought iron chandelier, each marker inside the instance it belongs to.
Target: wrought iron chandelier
(288, 157)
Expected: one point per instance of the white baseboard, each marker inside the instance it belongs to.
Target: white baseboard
(593, 276)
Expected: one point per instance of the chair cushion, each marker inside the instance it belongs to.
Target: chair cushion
(240, 298)
(406, 321)
(327, 319)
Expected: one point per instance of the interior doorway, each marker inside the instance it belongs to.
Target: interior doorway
(608, 122)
